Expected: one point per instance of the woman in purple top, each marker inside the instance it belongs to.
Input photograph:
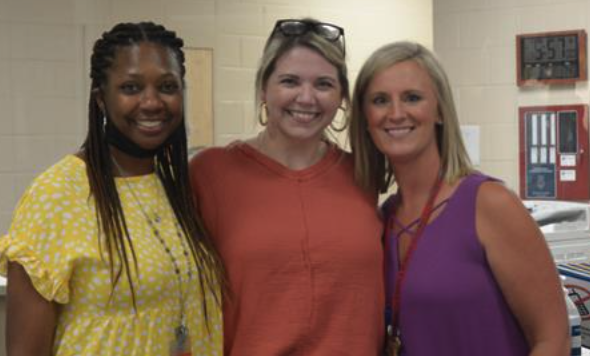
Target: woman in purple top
(469, 272)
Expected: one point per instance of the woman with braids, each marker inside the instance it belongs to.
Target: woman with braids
(300, 241)
(105, 255)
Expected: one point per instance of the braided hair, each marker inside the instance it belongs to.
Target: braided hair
(171, 167)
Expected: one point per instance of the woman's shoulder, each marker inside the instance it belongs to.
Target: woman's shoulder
(495, 199)
(55, 198)
(472, 184)
(215, 154)
(68, 175)
(340, 155)
(478, 177)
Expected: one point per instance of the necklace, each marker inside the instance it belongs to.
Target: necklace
(181, 345)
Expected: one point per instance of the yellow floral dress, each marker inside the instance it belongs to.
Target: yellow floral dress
(54, 237)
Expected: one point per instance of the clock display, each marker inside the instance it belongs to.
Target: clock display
(551, 58)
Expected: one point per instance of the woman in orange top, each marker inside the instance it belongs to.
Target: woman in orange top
(300, 241)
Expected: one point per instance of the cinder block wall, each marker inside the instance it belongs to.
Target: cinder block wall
(45, 46)
(476, 41)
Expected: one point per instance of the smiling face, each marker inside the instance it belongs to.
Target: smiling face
(302, 95)
(143, 94)
(401, 108)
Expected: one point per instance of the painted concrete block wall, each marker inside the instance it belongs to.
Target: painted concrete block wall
(242, 27)
(475, 40)
(41, 94)
(45, 48)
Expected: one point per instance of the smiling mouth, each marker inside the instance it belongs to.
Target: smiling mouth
(398, 132)
(150, 125)
(303, 116)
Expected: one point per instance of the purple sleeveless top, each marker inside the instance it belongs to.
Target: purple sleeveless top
(451, 304)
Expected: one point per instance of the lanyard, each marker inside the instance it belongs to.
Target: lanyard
(393, 298)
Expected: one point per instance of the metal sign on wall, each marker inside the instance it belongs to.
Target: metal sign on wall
(554, 152)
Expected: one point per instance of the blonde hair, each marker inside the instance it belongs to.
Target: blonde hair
(278, 44)
(372, 169)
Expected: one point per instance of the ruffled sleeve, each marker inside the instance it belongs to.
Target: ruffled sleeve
(37, 239)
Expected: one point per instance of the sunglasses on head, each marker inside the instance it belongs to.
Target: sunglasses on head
(328, 31)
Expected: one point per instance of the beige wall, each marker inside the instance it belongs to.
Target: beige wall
(476, 41)
(45, 45)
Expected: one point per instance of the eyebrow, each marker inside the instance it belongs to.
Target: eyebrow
(405, 91)
(330, 78)
(137, 75)
(292, 75)
(374, 93)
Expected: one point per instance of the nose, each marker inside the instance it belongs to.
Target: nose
(151, 100)
(396, 110)
(306, 94)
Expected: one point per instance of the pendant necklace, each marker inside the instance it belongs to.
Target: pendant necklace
(181, 344)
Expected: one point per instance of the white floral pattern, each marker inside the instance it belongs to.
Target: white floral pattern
(54, 237)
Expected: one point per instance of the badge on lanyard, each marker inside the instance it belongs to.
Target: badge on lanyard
(181, 345)
(393, 343)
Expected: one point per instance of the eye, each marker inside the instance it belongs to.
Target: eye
(412, 97)
(380, 100)
(325, 84)
(130, 88)
(170, 87)
(288, 81)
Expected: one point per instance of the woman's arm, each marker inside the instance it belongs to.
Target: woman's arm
(30, 318)
(524, 269)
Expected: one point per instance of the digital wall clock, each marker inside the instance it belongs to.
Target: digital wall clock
(551, 58)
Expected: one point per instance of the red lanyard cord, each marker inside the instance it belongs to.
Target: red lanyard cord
(393, 304)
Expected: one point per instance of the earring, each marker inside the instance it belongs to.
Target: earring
(439, 119)
(263, 114)
(104, 123)
(344, 126)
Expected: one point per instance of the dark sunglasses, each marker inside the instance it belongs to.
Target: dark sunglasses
(328, 31)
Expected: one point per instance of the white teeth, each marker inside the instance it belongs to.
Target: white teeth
(149, 124)
(301, 115)
(398, 132)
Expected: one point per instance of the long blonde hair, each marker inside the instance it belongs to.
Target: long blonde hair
(372, 169)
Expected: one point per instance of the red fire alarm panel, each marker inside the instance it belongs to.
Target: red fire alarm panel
(554, 152)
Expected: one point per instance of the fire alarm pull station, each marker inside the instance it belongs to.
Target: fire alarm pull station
(553, 154)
